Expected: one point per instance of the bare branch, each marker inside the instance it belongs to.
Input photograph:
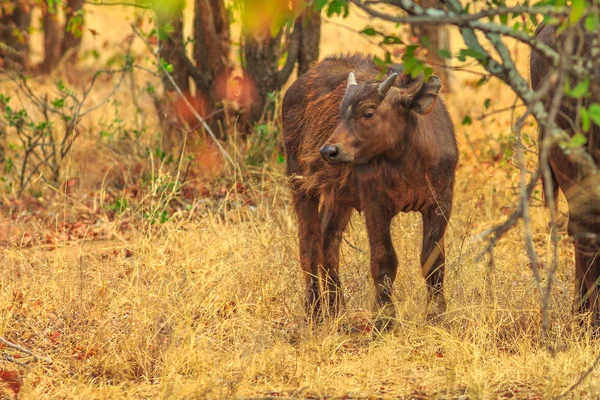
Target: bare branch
(25, 351)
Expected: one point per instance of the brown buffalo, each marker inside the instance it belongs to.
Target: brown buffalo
(581, 192)
(354, 141)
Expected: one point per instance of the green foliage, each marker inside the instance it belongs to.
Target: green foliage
(263, 144)
(119, 205)
(577, 9)
(594, 113)
(338, 7)
(580, 90)
(166, 66)
(592, 22)
(164, 31)
(75, 24)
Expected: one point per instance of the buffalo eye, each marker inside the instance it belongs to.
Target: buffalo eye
(368, 114)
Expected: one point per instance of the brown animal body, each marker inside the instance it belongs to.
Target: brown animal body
(355, 142)
(570, 177)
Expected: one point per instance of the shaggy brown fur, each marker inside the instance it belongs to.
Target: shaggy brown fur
(393, 153)
(584, 204)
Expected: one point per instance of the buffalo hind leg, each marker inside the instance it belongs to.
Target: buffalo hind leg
(334, 219)
(587, 271)
(433, 259)
(307, 210)
(384, 264)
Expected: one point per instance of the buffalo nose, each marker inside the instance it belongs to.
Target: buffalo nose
(329, 152)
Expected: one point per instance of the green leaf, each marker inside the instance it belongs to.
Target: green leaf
(580, 90)
(75, 24)
(594, 111)
(391, 40)
(388, 57)
(164, 31)
(578, 139)
(320, 4)
(427, 73)
(486, 103)
(592, 22)
(166, 66)
(445, 53)
(467, 120)
(533, 19)
(577, 10)
(482, 81)
(585, 119)
(370, 31)
(379, 62)
(503, 19)
(58, 103)
(338, 7)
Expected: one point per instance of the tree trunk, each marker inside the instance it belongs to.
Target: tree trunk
(311, 37)
(73, 30)
(439, 39)
(172, 51)
(14, 38)
(262, 59)
(52, 39)
(262, 53)
(211, 53)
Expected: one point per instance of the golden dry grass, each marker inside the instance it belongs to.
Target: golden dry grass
(209, 304)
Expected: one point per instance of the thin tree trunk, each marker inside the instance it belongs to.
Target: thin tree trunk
(73, 31)
(309, 44)
(14, 38)
(172, 51)
(261, 56)
(52, 39)
(211, 53)
(262, 53)
(439, 39)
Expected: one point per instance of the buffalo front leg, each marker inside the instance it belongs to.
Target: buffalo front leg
(433, 259)
(334, 219)
(309, 234)
(384, 264)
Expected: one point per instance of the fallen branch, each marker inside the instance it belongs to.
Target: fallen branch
(25, 351)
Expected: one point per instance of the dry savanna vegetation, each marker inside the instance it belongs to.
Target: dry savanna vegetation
(137, 285)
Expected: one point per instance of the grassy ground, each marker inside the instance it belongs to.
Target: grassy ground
(209, 302)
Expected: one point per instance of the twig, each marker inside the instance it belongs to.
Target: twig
(13, 360)
(353, 246)
(24, 350)
(135, 4)
(499, 111)
(581, 378)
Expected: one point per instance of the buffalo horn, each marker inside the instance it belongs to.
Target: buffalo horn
(386, 85)
(352, 79)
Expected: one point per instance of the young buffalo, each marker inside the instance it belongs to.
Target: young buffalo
(380, 147)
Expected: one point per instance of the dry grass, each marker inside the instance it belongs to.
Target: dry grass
(209, 304)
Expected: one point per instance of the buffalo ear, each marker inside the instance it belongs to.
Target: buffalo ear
(424, 100)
